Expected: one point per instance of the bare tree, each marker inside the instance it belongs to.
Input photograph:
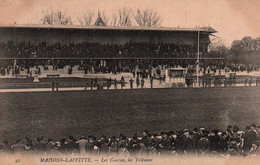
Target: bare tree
(105, 18)
(147, 18)
(122, 18)
(86, 17)
(56, 17)
(114, 20)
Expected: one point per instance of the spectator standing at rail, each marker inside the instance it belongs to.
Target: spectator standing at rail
(151, 81)
(91, 84)
(246, 82)
(96, 82)
(137, 82)
(53, 86)
(203, 81)
(109, 83)
(257, 81)
(57, 85)
(86, 85)
(131, 81)
(115, 83)
(122, 79)
(39, 71)
(133, 73)
(250, 81)
(142, 83)
(187, 81)
(122, 84)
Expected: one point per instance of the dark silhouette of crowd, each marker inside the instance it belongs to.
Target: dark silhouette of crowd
(91, 50)
(185, 56)
(109, 66)
(196, 142)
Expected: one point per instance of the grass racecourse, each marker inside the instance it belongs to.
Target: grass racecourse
(110, 112)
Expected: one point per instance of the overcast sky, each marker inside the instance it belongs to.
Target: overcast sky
(233, 19)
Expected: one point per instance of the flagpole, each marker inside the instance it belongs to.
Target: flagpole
(198, 58)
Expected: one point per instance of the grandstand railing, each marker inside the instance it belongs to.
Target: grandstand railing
(83, 85)
(40, 85)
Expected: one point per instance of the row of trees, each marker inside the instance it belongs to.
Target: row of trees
(123, 17)
(244, 51)
(246, 46)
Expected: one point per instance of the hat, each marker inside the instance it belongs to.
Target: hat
(82, 137)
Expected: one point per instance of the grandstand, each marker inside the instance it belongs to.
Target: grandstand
(62, 50)
(101, 42)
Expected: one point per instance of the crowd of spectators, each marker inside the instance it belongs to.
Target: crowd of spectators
(196, 142)
(113, 66)
(131, 50)
(91, 50)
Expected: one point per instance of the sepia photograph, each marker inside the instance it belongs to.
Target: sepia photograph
(109, 82)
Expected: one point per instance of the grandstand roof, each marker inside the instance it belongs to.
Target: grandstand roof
(122, 28)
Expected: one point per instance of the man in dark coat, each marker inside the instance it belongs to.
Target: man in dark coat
(131, 83)
(247, 139)
(223, 143)
(179, 141)
(134, 145)
(214, 140)
(189, 145)
(203, 145)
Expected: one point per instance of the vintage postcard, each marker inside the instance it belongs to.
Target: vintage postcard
(129, 82)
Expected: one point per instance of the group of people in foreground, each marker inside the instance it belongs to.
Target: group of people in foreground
(198, 142)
